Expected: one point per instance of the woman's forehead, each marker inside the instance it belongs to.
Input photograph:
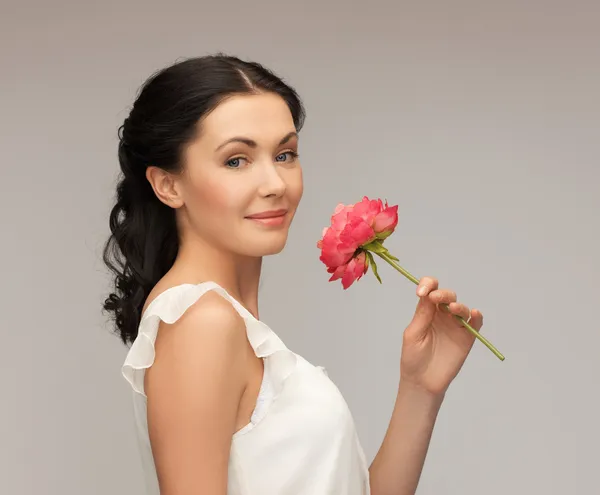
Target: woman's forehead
(259, 117)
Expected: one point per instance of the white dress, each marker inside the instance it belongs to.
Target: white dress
(301, 439)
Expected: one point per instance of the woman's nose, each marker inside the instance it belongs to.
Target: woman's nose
(272, 183)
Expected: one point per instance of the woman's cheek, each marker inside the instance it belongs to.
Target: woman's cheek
(296, 186)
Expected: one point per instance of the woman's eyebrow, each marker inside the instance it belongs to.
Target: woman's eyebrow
(252, 143)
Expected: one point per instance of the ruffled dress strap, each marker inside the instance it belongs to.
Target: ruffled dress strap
(171, 304)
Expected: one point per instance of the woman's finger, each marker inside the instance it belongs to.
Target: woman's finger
(476, 319)
(442, 296)
(426, 285)
(460, 309)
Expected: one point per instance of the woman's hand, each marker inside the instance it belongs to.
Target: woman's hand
(435, 344)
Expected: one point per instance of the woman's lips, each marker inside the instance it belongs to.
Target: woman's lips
(274, 220)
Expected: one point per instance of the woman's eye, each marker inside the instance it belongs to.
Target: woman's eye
(234, 162)
(293, 156)
(237, 162)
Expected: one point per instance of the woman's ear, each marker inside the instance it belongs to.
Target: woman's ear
(165, 185)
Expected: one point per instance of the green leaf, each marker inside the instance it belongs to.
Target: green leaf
(392, 256)
(384, 235)
(373, 265)
(375, 247)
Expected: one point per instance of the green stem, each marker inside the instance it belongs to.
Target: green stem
(385, 256)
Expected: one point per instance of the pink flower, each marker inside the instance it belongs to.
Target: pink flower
(386, 221)
(352, 228)
(357, 233)
(348, 231)
(351, 271)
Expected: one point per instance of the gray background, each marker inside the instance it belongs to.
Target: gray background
(480, 119)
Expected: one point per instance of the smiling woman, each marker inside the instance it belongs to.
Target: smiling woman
(211, 181)
(241, 162)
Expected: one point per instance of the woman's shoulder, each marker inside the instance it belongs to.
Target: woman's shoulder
(162, 286)
(209, 323)
(169, 284)
(191, 317)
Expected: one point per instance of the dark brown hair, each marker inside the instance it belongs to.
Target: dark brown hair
(164, 118)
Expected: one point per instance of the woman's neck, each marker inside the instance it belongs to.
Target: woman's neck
(239, 275)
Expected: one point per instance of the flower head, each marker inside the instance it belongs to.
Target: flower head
(345, 243)
(356, 233)
(351, 271)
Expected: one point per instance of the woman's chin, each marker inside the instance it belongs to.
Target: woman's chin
(273, 246)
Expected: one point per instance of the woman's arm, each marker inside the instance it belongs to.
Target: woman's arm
(434, 348)
(194, 389)
(397, 467)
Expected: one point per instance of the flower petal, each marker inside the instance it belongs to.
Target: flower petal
(356, 268)
(387, 220)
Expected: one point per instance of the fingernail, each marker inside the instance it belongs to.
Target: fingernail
(422, 291)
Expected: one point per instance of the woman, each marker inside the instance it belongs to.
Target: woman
(211, 181)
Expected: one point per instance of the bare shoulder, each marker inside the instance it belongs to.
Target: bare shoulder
(210, 332)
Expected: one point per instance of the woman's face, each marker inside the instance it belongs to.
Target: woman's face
(242, 164)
